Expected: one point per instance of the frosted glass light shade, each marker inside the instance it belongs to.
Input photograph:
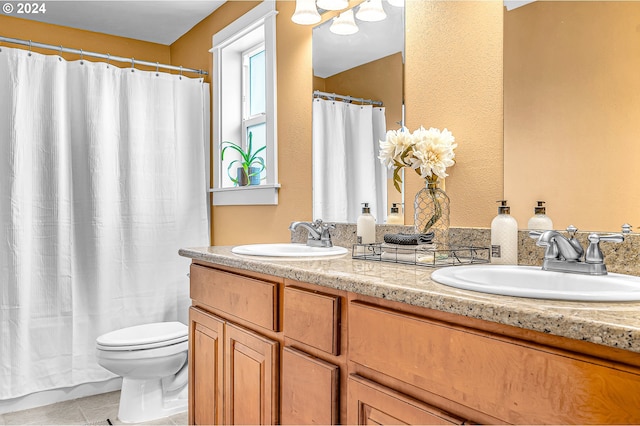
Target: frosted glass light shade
(371, 11)
(396, 3)
(306, 13)
(344, 24)
(333, 4)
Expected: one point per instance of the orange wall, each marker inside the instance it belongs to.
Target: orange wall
(572, 105)
(454, 80)
(80, 39)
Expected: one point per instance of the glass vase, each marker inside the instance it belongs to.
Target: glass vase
(431, 213)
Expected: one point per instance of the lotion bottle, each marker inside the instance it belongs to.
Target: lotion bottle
(540, 221)
(504, 237)
(394, 217)
(366, 226)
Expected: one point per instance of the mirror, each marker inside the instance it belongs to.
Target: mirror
(571, 107)
(367, 65)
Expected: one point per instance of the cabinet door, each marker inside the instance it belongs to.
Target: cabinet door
(251, 377)
(372, 404)
(309, 389)
(205, 368)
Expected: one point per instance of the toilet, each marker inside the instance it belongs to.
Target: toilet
(152, 360)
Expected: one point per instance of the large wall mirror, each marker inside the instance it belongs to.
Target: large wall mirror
(349, 72)
(572, 112)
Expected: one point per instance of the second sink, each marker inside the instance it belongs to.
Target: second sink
(533, 282)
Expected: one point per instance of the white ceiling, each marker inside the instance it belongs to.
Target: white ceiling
(155, 21)
(336, 53)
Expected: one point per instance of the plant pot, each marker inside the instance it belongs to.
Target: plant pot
(252, 179)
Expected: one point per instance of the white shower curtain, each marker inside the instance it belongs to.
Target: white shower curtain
(346, 169)
(102, 180)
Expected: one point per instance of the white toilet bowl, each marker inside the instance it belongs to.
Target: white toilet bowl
(152, 360)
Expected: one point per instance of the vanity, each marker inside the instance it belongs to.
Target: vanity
(341, 341)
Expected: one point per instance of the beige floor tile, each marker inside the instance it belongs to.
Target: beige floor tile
(180, 419)
(98, 414)
(2, 420)
(100, 400)
(67, 413)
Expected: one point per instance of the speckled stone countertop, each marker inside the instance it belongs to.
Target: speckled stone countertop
(611, 324)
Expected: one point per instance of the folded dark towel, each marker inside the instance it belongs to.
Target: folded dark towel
(408, 239)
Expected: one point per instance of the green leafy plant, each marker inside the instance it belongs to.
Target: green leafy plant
(251, 164)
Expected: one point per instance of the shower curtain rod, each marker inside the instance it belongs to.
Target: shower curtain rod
(107, 56)
(333, 96)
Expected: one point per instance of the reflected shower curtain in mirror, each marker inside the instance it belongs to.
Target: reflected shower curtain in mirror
(346, 169)
(102, 180)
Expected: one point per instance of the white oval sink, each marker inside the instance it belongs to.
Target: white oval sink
(288, 250)
(532, 281)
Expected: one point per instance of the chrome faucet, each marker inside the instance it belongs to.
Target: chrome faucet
(564, 254)
(318, 232)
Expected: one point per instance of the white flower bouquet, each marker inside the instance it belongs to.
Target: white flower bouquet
(428, 152)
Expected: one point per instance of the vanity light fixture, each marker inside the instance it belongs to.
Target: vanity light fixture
(333, 4)
(371, 11)
(306, 13)
(396, 3)
(344, 24)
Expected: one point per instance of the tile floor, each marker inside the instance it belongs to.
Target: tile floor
(92, 409)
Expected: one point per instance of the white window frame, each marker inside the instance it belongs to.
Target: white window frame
(263, 15)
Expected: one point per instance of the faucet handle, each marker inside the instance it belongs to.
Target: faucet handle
(594, 254)
(535, 234)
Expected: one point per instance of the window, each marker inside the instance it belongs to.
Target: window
(244, 104)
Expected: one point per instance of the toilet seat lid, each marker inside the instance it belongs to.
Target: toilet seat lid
(146, 335)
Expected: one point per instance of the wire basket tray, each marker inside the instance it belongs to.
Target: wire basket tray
(421, 255)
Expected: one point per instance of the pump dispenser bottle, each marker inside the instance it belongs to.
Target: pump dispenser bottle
(504, 237)
(366, 226)
(540, 221)
(394, 217)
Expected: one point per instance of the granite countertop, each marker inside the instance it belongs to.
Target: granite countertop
(610, 324)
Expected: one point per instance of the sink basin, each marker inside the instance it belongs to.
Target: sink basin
(532, 281)
(288, 250)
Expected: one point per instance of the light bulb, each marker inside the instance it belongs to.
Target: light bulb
(306, 13)
(371, 11)
(344, 24)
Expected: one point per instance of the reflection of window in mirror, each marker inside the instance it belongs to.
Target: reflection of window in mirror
(244, 88)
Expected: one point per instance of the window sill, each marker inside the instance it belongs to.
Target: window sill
(251, 195)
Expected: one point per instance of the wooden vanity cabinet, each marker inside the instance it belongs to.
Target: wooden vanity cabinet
(234, 359)
(314, 364)
(265, 350)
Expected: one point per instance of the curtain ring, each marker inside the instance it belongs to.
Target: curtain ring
(81, 57)
(180, 72)
(29, 47)
(108, 59)
(157, 66)
(132, 64)
(60, 54)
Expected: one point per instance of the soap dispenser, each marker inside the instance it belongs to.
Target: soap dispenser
(540, 221)
(394, 217)
(366, 226)
(504, 237)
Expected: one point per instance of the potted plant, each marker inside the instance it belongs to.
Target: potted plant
(248, 166)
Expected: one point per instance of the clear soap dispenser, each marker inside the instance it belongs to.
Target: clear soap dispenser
(504, 237)
(540, 221)
(394, 217)
(366, 226)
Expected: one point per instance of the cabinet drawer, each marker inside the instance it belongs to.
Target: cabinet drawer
(309, 389)
(508, 379)
(251, 299)
(312, 318)
(371, 403)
